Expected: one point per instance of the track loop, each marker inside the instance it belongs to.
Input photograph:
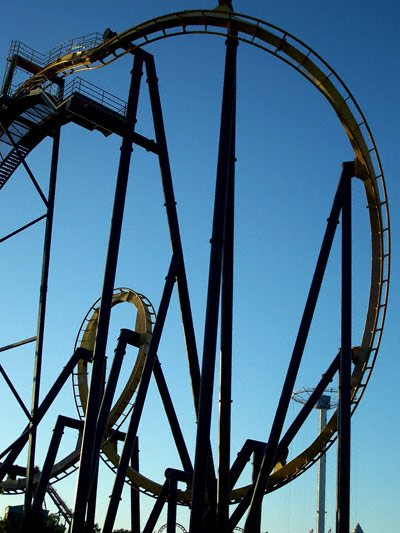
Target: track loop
(86, 339)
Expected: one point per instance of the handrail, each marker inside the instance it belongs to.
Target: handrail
(77, 44)
(101, 96)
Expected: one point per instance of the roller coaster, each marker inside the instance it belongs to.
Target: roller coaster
(51, 96)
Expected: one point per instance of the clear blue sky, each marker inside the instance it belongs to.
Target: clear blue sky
(290, 148)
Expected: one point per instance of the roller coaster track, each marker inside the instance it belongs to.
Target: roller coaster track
(60, 503)
(32, 111)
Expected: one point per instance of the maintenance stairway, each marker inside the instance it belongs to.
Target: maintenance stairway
(28, 114)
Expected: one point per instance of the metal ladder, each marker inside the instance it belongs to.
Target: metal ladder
(12, 152)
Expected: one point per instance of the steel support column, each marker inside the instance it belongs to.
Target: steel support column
(62, 422)
(225, 384)
(173, 224)
(172, 417)
(16, 447)
(171, 513)
(176, 243)
(286, 439)
(131, 433)
(156, 511)
(92, 500)
(40, 328)
(280, 415)
(92, 497)
(126, 337)
(257, 461)
(344, 410)
(88, 454)
(135, 494)
(225, 157)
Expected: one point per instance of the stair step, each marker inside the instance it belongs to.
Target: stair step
(11, 163)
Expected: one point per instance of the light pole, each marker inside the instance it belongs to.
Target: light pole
(323, 405)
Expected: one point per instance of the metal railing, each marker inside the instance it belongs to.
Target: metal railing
(19, 49)
(78, 44)
(101, 96)
(81, 86)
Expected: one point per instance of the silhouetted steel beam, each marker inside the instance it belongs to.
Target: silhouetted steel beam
(225, 382)
(126, 337)
(171, 513)
(40, 492)
(170, 205)
(88, 441)
(14, 391)
(225, 158)
(16, 447)
(92, 498)
(137, 410)
(344, 408)
(243, 457)
(173, 224)
(172, 418)
(294, 364)
(40, 326)
(22, 229)
(157, 508)
(297, 423)
(284, 443)
(18, 343)
(135, 494)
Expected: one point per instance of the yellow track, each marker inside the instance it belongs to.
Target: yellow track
(300, 57)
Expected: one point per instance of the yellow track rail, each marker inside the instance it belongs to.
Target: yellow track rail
(299, 56)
